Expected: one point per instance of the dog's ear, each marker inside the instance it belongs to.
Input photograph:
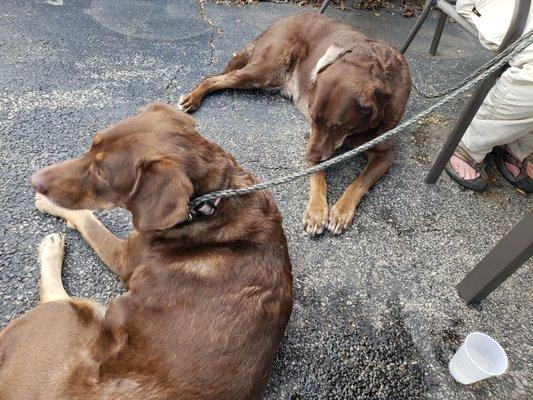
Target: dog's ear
(380, 99)
(161, 193)
(334, 52)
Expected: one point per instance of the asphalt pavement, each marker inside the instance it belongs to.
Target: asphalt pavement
(376, 312)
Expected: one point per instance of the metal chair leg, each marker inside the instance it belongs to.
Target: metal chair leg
(323, 6)
(504, 259)
(418, 25)
(438, 33)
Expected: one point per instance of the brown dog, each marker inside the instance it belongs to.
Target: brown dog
(351, 89)
(209, 295)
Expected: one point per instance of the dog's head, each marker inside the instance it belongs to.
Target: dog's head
(150, 164)
(347, 96)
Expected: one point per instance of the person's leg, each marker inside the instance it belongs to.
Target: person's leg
(464, 9)
(506, 116)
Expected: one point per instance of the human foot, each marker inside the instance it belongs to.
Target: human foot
(463, 169)
(514, 169)
(466, 171)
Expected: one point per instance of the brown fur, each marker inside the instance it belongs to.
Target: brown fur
(350, 87)
(207, 300)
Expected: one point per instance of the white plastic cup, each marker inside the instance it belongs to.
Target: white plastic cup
(479, 357)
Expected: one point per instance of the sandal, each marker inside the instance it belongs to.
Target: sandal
(522, 182)
(478, 184)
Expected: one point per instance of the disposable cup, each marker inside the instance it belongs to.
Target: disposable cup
(479, 357)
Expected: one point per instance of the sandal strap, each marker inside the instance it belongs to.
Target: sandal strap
(463, 155)
(523, 171)
(467, 158)
(509, 158)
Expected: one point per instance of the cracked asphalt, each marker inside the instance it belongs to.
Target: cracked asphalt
(376, 313)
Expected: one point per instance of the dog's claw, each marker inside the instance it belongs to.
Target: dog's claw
(186, 103)
(315, 221)
(181, 101)
(339, 220)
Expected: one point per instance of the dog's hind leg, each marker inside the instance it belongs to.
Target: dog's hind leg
(191, 101)
(51, 251)
(254, 75)
(240, 59)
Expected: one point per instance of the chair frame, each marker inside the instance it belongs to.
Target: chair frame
(500, 263)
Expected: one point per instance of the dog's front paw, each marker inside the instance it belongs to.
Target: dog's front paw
(315, 219)
(188, 102)
(46, 206)
(340, 217)
(51, 250)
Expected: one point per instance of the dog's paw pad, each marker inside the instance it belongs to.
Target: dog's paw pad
(339, 220)
(51, 248)
(315, 221)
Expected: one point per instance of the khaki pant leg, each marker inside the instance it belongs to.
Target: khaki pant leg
(505, 117)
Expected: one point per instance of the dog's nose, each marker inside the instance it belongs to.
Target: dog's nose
(37, 182)
(314, 156)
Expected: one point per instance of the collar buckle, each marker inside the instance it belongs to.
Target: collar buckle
(204, 209)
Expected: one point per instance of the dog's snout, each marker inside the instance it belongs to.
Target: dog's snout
(317, 146)
(314, 156)
(38, 183)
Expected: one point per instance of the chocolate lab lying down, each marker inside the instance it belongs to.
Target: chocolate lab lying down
(208, 296)
(350, 88)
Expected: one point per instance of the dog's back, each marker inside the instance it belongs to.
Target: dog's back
(212, 326)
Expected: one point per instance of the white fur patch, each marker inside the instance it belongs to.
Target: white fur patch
(291, 88)
(180, 102)
(332, 53)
